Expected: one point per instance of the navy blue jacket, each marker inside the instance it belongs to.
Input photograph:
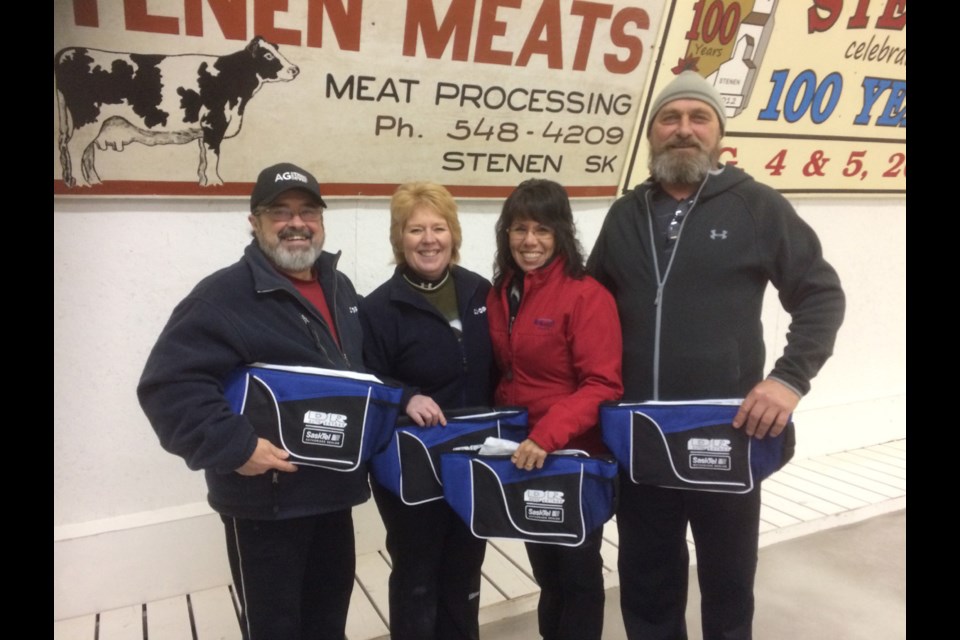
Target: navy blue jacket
(247, 313)
(409, 341)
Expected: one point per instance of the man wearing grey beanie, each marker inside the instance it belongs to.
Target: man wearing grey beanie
(688, 255)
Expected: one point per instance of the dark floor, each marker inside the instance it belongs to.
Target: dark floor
(845, 583)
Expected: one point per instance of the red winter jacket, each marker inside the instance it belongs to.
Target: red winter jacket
(562, 357)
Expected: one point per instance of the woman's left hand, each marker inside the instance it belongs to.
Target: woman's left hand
(529, 455)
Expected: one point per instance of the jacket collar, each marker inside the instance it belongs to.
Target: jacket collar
(537, 277)
(400, 291)
(717, 181)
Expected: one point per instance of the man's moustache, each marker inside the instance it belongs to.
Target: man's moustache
(685, 145)
(286, 234)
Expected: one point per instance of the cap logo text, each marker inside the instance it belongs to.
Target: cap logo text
(290, 175)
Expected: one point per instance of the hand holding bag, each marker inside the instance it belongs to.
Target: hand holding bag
(691, 445)
(322, 417)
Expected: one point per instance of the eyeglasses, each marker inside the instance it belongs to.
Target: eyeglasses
(282, 214)
(521, 231)
(673, 229)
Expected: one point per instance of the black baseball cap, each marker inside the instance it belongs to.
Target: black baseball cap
(274, 180)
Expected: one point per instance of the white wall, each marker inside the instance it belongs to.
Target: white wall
(859, 398)
(129, 518)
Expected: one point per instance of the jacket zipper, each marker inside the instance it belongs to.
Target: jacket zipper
(662, 280)
(313, 331)
(510, 323)
(275, 486)
(658, 298)
(429, 308)
(459, 336)
(315, 335)
(336, 320)
(463, 360)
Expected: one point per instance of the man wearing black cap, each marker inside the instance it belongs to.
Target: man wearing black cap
(688, 254)
(289, 529)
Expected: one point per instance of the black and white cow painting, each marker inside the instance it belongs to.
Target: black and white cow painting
(109, 99)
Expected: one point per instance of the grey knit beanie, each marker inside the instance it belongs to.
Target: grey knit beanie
(690, 84)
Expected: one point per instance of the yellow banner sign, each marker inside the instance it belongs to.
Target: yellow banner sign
(815, 92)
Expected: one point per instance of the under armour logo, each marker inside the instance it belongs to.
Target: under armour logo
(718, 235)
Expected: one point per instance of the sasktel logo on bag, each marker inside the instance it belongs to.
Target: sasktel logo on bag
(324, 429)
(545, 506)
(709, 453)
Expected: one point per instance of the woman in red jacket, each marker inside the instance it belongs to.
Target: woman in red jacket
(556, 339)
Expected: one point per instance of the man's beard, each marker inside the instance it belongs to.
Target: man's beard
(671, 166)
(291, 261)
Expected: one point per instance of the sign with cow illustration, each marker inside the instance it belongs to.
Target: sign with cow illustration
(193, 97)
(108, 100)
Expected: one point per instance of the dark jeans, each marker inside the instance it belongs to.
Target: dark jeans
(654, 560)
(293, 577)
(571, 588)
(435, 576)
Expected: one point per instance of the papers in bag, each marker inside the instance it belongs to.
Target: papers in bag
(497, 447)
(559, 504)
(691, 445)
(322, 417)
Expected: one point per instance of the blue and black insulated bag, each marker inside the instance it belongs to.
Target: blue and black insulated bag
(410, 465)
(322, 417)
(691, 445)
(562, 503)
